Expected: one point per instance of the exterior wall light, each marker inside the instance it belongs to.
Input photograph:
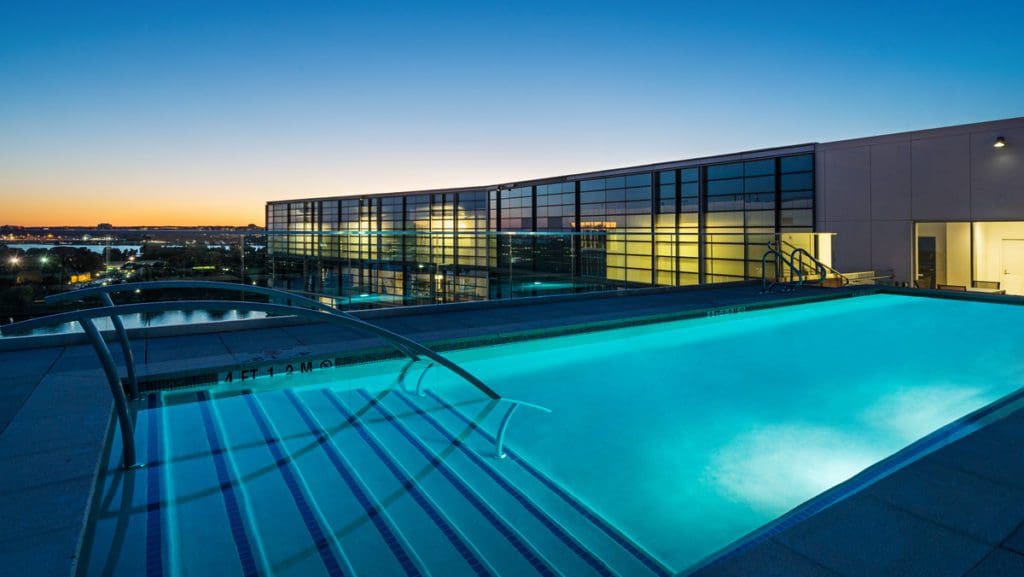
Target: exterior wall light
(1000, 142)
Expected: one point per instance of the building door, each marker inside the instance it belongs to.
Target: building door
(926, 262)
(1012, 259)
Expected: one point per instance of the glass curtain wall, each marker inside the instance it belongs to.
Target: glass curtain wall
(683, 226)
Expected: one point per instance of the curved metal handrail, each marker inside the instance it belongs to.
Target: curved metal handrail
(828, 269)
(818, 265)
(779, 256)
(104, 292)
(323, 313)
(223, 305)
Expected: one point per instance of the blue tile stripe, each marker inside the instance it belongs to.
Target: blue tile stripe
(642, 556)
(441, 467)
(286, 467)
(568, 540)
(154, 492)
(410, 486)
(372, 510)
(227, 490)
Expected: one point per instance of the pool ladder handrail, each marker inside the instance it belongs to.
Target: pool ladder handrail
(824, 269)
(319, 312)
(780, 258)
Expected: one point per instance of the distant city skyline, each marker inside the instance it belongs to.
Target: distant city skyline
(191, 115)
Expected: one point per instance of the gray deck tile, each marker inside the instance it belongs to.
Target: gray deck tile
(992, 453)
(862, 536)
(44, 508)
(47, 554)
(247, 341)
(983, 509)
(14, 392)
(1015, 541)
(28, 363)
(48, 467)
(769, 559)
(999, 563)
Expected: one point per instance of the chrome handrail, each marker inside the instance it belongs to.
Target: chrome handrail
(818, 263)
(104, 292)
(411, 348)
(779, 257)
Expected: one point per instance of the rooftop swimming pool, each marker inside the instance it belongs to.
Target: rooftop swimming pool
(666, 443)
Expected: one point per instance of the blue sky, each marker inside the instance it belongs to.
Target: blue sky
(148, 110)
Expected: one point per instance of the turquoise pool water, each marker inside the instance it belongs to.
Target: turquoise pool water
(688, 435)
(665, 443)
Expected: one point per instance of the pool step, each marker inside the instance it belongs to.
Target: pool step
(324, 482)
(614, 551)
(558, 501)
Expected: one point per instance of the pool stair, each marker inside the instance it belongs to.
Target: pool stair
(318, 481)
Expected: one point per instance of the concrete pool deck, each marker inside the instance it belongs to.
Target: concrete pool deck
(958, 511)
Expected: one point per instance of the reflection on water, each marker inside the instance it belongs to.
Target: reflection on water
(155, 320)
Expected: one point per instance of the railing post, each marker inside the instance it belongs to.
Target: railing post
(126, 348)
(419, 381)
(120, 402)
(500, 445)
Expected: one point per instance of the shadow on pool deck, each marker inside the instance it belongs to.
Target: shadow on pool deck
(956, 512)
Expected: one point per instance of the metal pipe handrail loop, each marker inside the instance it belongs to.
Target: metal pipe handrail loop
(222, 305)
(114, 382)
(85, 317)
(499, 445)
(828, 269)
(103, 292)
(779, 256)
(818, 265)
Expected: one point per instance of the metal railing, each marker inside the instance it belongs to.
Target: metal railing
(318, 312)
(780, 259)
(799, 262)
(796, 256)
(828, 270)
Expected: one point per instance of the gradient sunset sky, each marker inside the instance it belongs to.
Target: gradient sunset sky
(147, 113)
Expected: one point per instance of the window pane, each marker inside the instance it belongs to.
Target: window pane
(797, 163)
(799, 181)
(760, 184)
(719, 187)
(638, 180)
(615, 182)
(725, 171)
(759, 167)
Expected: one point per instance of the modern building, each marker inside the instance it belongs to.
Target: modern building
(932, 208)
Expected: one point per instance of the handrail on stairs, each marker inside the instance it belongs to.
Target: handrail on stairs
(817, 263)
(319, 312)
(780, 258)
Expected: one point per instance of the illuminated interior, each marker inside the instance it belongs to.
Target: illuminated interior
(686, 225)
(966, 256)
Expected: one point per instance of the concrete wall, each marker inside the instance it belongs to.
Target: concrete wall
(870, 191)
